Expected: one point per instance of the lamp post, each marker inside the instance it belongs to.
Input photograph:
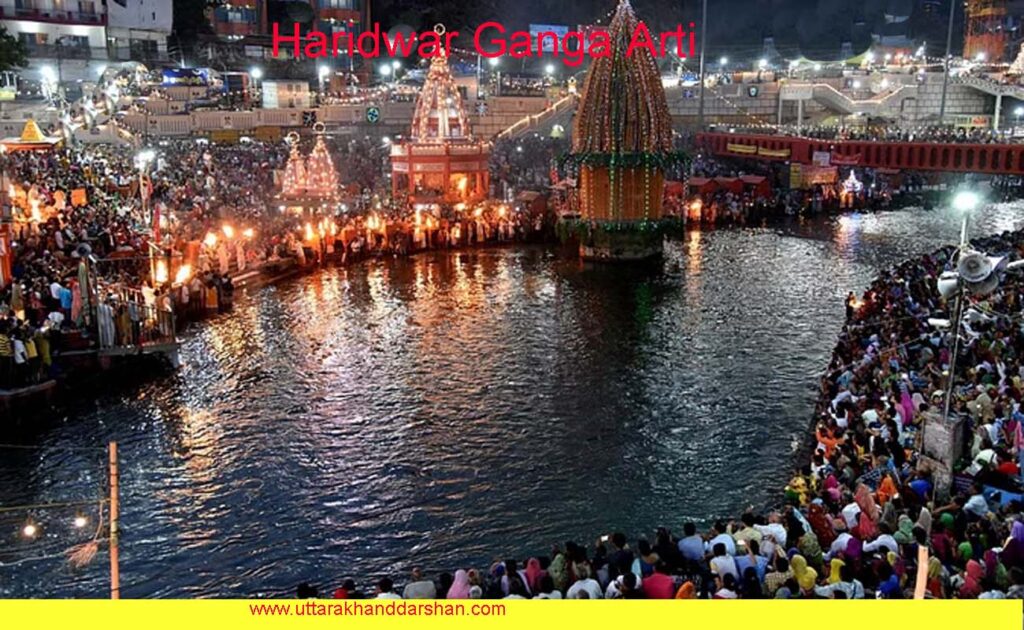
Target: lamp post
(494, 61)
(322, 73)
(257, 74)
(965, 202)
(700, 70)
(946, 60)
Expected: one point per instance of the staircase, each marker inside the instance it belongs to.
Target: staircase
(559, 112)
(990, 86)
(839, 102)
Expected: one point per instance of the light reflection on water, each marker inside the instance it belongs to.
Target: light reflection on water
(451, 408)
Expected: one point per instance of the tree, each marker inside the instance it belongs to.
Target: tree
(13, 53)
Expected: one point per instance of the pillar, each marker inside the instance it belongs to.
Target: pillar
(999, 109)
(780, 108)
(799, 115)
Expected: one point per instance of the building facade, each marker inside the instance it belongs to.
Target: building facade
(76, 38)
(251, 22)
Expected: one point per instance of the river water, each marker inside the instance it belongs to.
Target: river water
(448, 409)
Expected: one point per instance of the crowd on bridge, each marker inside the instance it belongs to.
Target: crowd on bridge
(882, 133)
(868, 515)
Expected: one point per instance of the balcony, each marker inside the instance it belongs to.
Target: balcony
(53, 16)
(54, 51)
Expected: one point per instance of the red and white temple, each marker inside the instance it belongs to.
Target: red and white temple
(440, 161)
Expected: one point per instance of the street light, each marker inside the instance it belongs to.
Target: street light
(1018, 113)
(762, 64)
(322, 73)
(980, 57)
(493, 61)
(549, 69)
(965, 201)
(256, 73)
(396, 64)
(723, 61)
(385, 71)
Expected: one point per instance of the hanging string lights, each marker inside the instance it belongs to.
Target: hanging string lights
(622, 136)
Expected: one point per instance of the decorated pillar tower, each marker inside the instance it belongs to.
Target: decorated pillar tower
(441, 161)
(622, 143)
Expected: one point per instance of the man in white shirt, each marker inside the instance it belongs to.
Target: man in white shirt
(773, 529)
(851, 512)
(723, 564)
(976, 504)
(386, 589)
(419, 588)
(585, 587)
(719, 535)
(838, 545)
(885, 541)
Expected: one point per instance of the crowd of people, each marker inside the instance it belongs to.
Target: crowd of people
(86, 249)
(867, 516)
(883, 133)
(871, 190)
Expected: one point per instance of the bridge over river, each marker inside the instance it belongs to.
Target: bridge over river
(994, 159)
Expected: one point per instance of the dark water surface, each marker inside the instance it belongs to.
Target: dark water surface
(450, 408)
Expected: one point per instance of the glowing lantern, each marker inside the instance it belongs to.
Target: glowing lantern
(183, 275)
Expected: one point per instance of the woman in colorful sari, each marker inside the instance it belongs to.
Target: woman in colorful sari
(1013, 549)
(887, 490)
(533, 573)
(905, 530)
(805, 576)
(687, 591)
(821, 525)
(973, 575)
(866, 502)
(460, 585)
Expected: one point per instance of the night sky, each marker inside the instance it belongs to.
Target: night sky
(815, 28)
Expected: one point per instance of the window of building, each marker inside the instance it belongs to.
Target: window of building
(338, 4)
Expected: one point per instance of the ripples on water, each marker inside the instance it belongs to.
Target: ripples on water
(449, 407)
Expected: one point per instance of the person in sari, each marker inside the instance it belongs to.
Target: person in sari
(995, 572)
(687, 591)
(460, 585)
(805, 576)
(972, 577)
(559, 570)
(924, 521)
(937, 578)
(532, 574)
(821, 524)
(866, 501)
(835, 570)
(1012, 555)
(905, 530)
(887, 490)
